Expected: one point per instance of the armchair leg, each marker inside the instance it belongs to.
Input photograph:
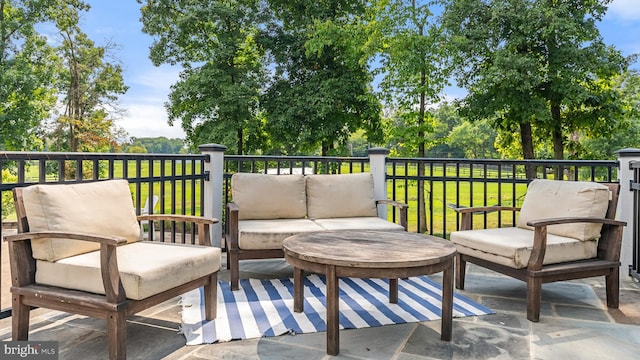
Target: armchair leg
(613, 288)
(234, 269)
(211, 297)
(534, 298)
(461, 267)
(117, 334)
(19, 319)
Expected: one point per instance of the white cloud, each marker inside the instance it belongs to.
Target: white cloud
(149, 120)
(625, 9)
(146, 115)
(157, 78)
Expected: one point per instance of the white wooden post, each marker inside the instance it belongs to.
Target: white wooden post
(378, 167)
(624, 212)
(212, 206)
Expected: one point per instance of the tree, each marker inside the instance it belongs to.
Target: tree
(25, 73)
(525, 62)
(413, 74)
(320, 92)
(90, 86)
(216, 97)
(604, 144)
(475, 139)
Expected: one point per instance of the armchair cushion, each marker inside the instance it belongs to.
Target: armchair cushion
(146, 268)
(269, 234)
(552, 199)
(342, 195)
(64, 207)
(512, 246)
(263, 196)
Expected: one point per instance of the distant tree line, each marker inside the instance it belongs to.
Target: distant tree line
(155, 145)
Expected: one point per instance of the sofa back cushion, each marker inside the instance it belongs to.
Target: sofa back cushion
(100, 208)
(552, 199)
(342, 195)
(261, 196)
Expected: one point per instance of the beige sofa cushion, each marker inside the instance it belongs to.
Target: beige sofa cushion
(261, 196)
(512, 246)
(146, 268)
(342, 195)
(358, 223)
(103, 208)
(551, 199)
(269, 234)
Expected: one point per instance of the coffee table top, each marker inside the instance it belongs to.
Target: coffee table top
(369, 248)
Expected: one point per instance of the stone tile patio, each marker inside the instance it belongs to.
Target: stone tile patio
(575, 324)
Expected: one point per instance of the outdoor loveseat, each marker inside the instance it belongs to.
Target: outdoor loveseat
(267, 209)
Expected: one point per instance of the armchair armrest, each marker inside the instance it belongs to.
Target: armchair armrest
(468, 212)
(231, 237)
(540, 236)
(106, 240)
(204, 223)
(113, 288)
(484, 209)
(567, 220)
(402, 210)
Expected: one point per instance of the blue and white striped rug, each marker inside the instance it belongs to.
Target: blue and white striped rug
(265, 307)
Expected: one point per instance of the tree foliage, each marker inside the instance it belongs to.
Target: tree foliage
(533, 67)
(156, 145)
(25, 73)
(35, 74)
(216, 97)
(413, 65)
(90, 86)
(321, 90)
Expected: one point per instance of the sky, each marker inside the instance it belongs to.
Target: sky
(118, 21)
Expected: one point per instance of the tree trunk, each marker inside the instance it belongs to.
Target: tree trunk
(558, 139)
(240, 141)
(422, 207)
(526, 140)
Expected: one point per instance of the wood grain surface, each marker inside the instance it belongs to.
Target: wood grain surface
(369, 249)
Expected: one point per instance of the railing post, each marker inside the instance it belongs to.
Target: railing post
(212, 206)
(378, 167)
(625, 209)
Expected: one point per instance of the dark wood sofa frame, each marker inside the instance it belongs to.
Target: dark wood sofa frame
(607, 262)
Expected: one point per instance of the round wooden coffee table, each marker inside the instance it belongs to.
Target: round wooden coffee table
(369, 254)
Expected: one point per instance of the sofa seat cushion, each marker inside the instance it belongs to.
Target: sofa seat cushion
(103, 207)
(553, 199)
(261, 196)
(358, 223)
(512, 246)
(341, 195)
(146, 268)
(269, 234)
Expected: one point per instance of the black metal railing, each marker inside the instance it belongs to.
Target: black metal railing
(635, 226)
(176, 181)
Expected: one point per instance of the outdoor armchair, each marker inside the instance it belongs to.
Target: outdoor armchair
(565, 230)
(78, 250)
